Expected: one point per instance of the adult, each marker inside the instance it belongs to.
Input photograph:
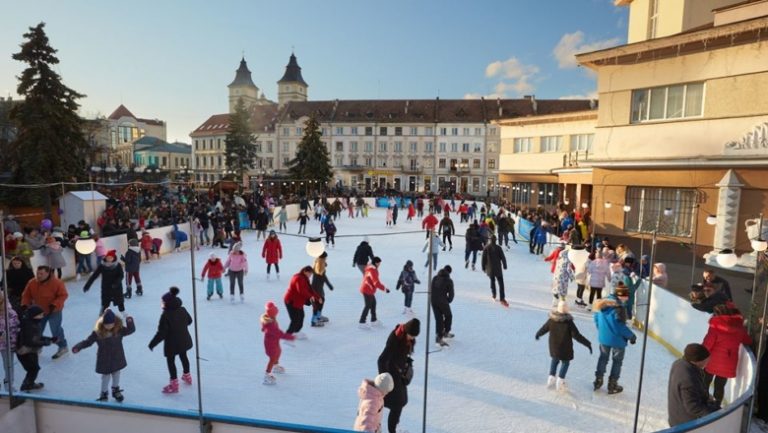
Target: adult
(299, 293)
(272, 252)
(719, 283)
(18, 275)
(429, 223)
(368, 287)
(441, 297)
(493, 262)
(706, 297)
(447, 229)
(724, 338)
(504, 226)
(687, 395)
(111, 273)
(395, 359)
(49, 293)
(363, 253)
(319, 280)
(173, 331)
(613, 333)
(473, 244)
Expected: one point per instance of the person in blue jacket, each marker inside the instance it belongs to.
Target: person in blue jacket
(178, 236)
(540, 238)
(613, 334)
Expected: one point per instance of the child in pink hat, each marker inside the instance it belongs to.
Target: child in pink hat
(272, 336)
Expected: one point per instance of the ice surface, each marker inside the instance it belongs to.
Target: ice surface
(491, 379)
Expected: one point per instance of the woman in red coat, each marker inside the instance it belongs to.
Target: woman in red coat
(368, 287)
(723, 340)
(272, 252)
(298, 295)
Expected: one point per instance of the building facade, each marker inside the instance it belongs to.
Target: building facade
(123, 129)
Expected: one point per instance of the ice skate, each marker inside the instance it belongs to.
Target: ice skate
(598, 383)
(580, 302)
(551, 382)
(103, 396)
(117, 394)
(172, 387)
(473, 266)
(242, 298)
(448, 335)
(300, 336)
(377, 324)
(277, 275)
(268, 277)
(466, 264)
(31, 386)
(231, 299)
(323, 319)
(504, 303)
(139, 291)
(221, 296)
(208, 298)
(317, 324)
(405, 310)
(269, 379)
(614, 387)
(187, 378)
(363, 325)
(277, 368)
(440, 342)
(59, 353)
(561, 385)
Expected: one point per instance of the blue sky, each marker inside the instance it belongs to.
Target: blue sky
(172, 60)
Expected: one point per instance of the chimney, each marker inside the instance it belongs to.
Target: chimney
(592, 104)
(406, 106)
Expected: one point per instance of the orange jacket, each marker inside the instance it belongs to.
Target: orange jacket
(50, 292)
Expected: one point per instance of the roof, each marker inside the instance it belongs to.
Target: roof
(88, 195)
(263, 119)
(146, 141)
(121, 111)
(293, 72)
(168, 148)
(242, 76)
(152, 121)
(215, 125)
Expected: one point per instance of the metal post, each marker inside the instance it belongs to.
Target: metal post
(645, 334)
(197, 340)
(695, 238)
(761, 339)
(426, 345)
(7, 304)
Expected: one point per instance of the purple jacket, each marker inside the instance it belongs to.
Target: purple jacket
(599, 273)
(14, 328)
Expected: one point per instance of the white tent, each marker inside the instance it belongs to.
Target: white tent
(81, 205)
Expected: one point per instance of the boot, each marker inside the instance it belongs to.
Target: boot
(31, 386)
(440, 342)
(598, 383)
(117, 394)
(139, 290)
(279, 369)
(560, 385)
(172, 387)
(614, 387)
(128, 291)
(269, 379)
(102, 396)
(551, 381)
(187, 378)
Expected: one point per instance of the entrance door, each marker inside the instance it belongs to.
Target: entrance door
(397, 183)
(412, 183)
(464, 185)
(382, 182)
(367, 183)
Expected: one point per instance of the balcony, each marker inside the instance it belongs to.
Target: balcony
(571, 159)
(411, 170)
(353, 167)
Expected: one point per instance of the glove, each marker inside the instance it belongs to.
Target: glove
(353, 265)
(51, 308)
(505, 268)
(633, 340)
(150, 347)
(75, 350)
(590, 349)
(330, 287)
(537, 338)
(386, 290)
(85, 289)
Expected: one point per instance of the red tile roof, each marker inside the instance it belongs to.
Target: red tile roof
(121, 111)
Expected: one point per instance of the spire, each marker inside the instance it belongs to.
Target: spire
(242, 76)
(293, 72)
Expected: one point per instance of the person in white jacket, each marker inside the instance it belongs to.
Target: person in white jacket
(436, 245)
(599, 271)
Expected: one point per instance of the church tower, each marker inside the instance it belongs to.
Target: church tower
(242, 87)
(292, 86)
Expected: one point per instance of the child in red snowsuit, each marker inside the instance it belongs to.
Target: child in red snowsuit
(272, 336)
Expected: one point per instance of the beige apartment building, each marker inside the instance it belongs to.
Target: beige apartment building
(123, 129)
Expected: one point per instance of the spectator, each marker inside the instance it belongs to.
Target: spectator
(720, 283)
(49, 293)
(706, 297)
(687, 395)
(724, 338)
(660, 277)
(395, 359)
(372, 393)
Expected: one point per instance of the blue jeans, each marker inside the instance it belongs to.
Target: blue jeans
(617, 354)
(563, 367)
(204, 238)
(467, 253)
(83, 263)
(408, 297)
(54, 319)
(434, 261)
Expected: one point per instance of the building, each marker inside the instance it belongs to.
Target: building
(682, 129)
(154, 153)
(123, 129)
(408, 145)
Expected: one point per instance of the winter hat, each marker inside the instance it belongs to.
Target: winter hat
(168, 297)
(33, 311)
(562, 307)
(271, 309)
(237, 246)
(324, 255)
(133, 243)
(376, 260)
(272, 232)
(113, 254)
(18, 235)
(412, 327)
(384, 383)
(448, 268)
(621, 290)
(212, 256)
(695, 352)
(108, 318)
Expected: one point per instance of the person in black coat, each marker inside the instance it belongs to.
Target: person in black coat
(705, 298)
(173, 330)
(474, 243)
(687, 396)
(29, 345)
(395, 359)
(493, 262)
(18, 275)
(363, 253)
(441, 298)
(562, 332)
(112, 275)
(132, 260)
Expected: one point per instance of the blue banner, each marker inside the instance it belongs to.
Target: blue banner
(384, 201)
(524, 228)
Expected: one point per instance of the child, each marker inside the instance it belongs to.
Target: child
(173, 330)
(330, 233)
(214, 268)
(562, 332)
(272, 252)
(319, 280)
(237, 264)
(132, 260)
(54, 252)
(302, 222)
(390, 214)
(407, 280)
(100, 250)
(282, 216)
(365, 209)
(411, 212)
(30, 343)
(272, 336)
(13, 331)
(371, 393)
(146, 245)
(108, 335)
(178, 236)
(111, 282)
(436, 245)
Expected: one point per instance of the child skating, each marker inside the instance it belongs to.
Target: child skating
(272, 336)
(214, 269)
(173, 331)
(406, 282)
(272, 252)
(562, 332)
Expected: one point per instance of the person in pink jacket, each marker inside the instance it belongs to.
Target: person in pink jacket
(272, 253)
(599, 271)
(272, 336)
(368, 288)
(237, 264)
(371, 393)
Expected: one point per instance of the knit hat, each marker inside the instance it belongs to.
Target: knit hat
(376, 260)
(168, 297)
(324, 255)
(113, 254)
(271, 309)
(18, 235)
(695, 352)
(272, 232)
(412, 327)
(384, 383)
(448, 268)
(133, 243)
(212, 256)
(237, 246)
(562, 307)
(108, 318)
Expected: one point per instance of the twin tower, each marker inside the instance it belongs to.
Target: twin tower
(291, 87)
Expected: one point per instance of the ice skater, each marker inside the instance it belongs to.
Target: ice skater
(132, 260)
(298, 294)
(237, 265)
(272, 336)
(319, 280)
(562, 331)
(173, 331)
(372, 393)
(214, 269)
(272, 252)
(436, 245)
(368, 287)
(613, 333)
(302, 219)
(30, 343)
(330, 233)
(406, 282)
(111, 273)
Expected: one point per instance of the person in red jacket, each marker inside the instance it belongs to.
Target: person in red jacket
(272, 337)
(429, 223)
(215, 269)
(298, 295)
(368, 288)
(725, 336)
(554, 255)
(272, 252)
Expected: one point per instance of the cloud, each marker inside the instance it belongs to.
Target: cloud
(590, 95)
(515, 78)
(573, 43)
(511, 68)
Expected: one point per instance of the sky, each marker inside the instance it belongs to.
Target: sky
(173, 59)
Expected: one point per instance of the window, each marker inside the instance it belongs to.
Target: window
(269, 147)
(414, 130)
(522, 145)
(491, 131)
(582, 142)
(368, 162)
(478, 131)
(465, 147)
(551, 143)
(339, 130)
(270, 163)
(466, 131)
(339, 161)
(352, 160)
(547, 194)
(286, 160)
(383, 147)
(398, 146)
(414, 164)
(454, 131)
(369, 146)
(382, 162)
(397, 162)
(647, 207)
(653, 18)
(383, 130)
(197, 161)
(414, 147)
(453, 163)
(441, 163)
(353, 146)
(429, 131)
(521, 192)
(298, 130)
(475, 163)
(478, 147)
(491, 164)
(257, 146)
(339, 146)
(442, 147)
(286, 131)
(398, 130)
(669, 102)
(475, 184)
(369, 130)
(286, 147)
(218, 143)
(428, 147)
(443, 131)
(354, 130)
(454, 147)
(196, 146)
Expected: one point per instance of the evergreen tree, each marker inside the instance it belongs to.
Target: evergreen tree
(240, 152)
(49, 146)
(312, 159)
